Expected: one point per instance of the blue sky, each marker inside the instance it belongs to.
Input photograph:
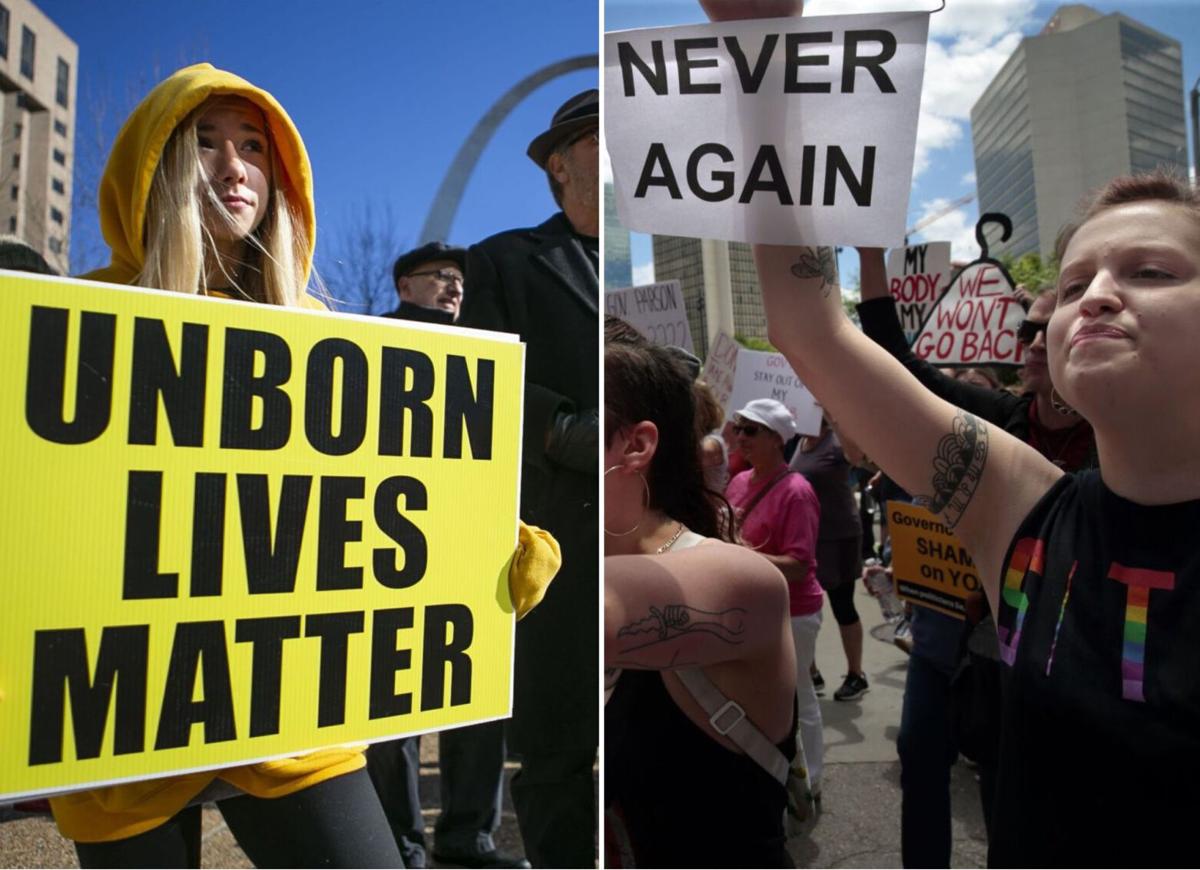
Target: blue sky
(383, 92)
(970, 40)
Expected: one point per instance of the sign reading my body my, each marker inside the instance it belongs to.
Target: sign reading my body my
(239, 531)
(916, 275)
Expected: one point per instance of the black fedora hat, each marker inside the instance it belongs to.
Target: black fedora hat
(576, 114)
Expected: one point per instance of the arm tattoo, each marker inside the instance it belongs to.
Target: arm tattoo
(817, 263)
(957, 467)
(676, 620)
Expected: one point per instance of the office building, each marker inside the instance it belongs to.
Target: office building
(38, 66)
(719, 286)
(1089, 98)
(618, 270)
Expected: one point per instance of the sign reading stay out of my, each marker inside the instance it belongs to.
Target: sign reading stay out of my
(237, 532)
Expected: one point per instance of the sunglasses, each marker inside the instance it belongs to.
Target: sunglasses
(1029, 330)
(747, 429)
(592, 136)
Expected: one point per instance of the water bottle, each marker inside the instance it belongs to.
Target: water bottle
(879, 581)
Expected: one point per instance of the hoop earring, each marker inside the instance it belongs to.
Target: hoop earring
(1059, 404)
(645, 504)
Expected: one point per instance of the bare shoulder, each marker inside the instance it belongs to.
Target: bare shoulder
(732, 563)
(703, 605)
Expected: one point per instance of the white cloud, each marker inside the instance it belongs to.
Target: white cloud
(933, 132)
(643, 273)
(969, 41)
(606, 173)
(968, 178)
(956, 227)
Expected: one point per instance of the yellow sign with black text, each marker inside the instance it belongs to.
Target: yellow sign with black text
(931, 567)
(237, 532)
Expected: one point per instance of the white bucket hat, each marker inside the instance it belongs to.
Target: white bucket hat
(772, 414)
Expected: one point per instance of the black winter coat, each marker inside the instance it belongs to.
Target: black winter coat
(542, 284)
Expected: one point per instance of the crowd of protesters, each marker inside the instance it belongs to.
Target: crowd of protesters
(1078, 649)
(1072, 681)
(208, 191)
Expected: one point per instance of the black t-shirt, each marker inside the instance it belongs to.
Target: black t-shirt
(1099, 623)
(681, 798)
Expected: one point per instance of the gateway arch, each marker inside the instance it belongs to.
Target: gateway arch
(449, 193)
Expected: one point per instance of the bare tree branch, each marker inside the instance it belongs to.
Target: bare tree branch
(357, 263)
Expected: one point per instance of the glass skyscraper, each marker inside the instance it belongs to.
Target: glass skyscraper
(1090, 97)
(618, 271)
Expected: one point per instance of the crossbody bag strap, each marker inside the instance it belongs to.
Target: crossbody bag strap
(758, 496)
(729, 720)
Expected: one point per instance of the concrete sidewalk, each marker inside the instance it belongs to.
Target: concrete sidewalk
(34, 841)
(860, 821)
(859, 825)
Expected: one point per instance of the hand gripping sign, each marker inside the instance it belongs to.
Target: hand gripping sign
(767, 130)
(237, 532)
(975, 321)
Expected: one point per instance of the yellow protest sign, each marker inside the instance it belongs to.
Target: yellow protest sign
(931, 567)
(237, 532)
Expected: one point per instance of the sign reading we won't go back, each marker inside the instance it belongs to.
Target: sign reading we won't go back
(235, 532)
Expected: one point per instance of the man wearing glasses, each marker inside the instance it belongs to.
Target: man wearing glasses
(542, 283)
(429, 281)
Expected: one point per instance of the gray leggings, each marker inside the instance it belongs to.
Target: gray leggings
(336, 823)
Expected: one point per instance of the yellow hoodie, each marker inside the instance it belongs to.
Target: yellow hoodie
(121, 811)
(125, 187)
(117, 812)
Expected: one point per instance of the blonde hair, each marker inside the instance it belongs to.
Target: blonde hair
(175, 237)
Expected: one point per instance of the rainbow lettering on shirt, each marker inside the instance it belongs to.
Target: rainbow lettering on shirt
(1137, 601)
(1028, 555)
(1062, 611)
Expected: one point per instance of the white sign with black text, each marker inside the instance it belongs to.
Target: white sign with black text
(781, 130)
(739, 375)
(655, 310)
(916, 276)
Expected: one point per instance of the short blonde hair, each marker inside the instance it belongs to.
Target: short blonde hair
(175, 238)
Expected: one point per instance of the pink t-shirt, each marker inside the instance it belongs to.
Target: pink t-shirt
(783, 523)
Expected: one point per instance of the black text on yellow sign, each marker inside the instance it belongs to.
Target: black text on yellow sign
(931, 567)
(241, 532)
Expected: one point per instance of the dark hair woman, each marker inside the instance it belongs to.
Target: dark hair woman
(678, 601)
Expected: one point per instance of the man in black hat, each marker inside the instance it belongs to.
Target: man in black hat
(430, 281)
(542, 283)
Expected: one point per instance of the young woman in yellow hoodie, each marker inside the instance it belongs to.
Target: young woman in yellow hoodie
(208, 190)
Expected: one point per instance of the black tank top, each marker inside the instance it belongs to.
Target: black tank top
(684, 799)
